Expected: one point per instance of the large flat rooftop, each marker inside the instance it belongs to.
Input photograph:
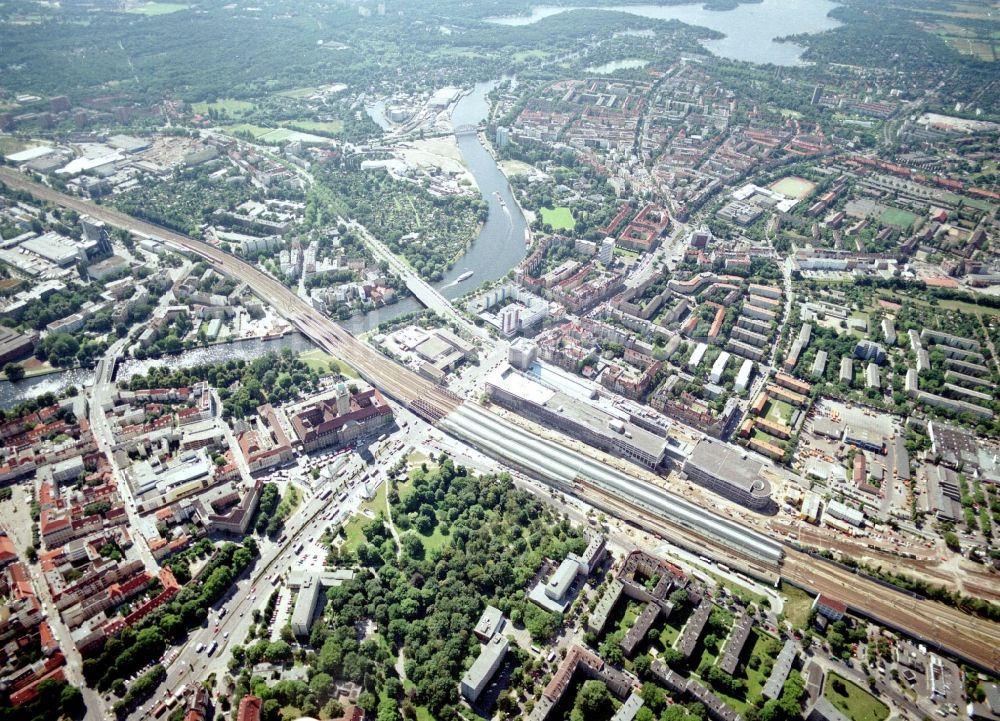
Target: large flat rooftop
(730, 464)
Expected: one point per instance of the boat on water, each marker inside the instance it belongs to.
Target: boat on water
(503, 203)
(465, 276)
(527, 239)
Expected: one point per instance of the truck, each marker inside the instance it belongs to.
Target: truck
(211, 648)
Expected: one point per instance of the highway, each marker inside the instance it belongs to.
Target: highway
(972, 638)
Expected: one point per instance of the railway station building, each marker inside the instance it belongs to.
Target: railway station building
(339, 419)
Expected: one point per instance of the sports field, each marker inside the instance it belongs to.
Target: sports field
(793, 187)
(897, 218)
(559, 218)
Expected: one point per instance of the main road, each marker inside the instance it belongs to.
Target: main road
(968, 636)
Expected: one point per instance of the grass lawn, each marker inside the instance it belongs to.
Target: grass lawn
(277, 135)
(668, 635)
(858, 704)
(779, 412)
(155, 8)
(797, 605)
(423, 714)
(627, 614)
(414, 459)
(436, 539)
(298, 92)
(10, 145)
(352, 529)
(959, 305)
(521, 55)
(559, 218)
(897, 218)
(332, 127)
(764, 646)
(226, 105)
(983, 205)
(255, 130)
(320, 361)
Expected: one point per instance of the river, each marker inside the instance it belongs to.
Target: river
(750, 29)
(498, 247)
(13, 393)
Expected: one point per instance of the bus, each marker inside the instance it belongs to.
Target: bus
(325, 494)
(342, 496)
(298, 548)
(211, 648)
(382, 437)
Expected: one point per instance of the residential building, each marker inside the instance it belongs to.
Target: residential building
(829, 607)
(484, 667)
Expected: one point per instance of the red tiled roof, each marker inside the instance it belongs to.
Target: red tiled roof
(250, 707)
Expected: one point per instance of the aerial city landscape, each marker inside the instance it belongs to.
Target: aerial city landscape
(441, 360)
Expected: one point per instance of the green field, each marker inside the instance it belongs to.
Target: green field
(436, 539)
(897, 218)
(521, 55)
(157, 8)
(793, 187)
(309, 126)
(764, 646)
(858, 704)
(255, 130)
(798, 603)
(779, 412)
(559, 218)
(983, 205)
(230, 106)
(299, 92)
(10, 145)
(320, 361)
(352, 530)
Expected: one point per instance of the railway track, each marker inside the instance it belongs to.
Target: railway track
(399, 383)
(972, 638)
